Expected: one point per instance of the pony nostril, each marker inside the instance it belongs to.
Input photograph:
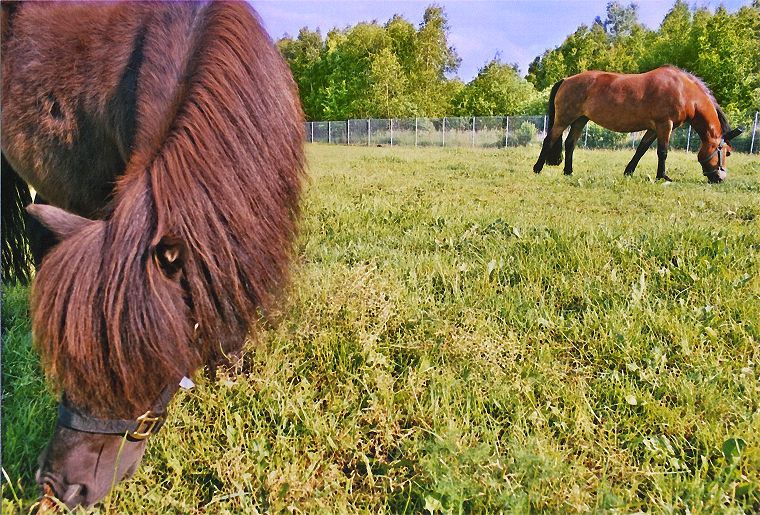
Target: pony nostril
(71, 492)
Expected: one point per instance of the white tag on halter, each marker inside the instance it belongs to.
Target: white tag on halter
(186, 383)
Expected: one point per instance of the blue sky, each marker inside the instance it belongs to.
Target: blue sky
(518, 29)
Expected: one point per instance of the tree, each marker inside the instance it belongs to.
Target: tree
(388, 85)
(370, 70)
(433, 59)
(303, 55)
(722, 48)
(621, 20)
(497, 90)
(399, 70)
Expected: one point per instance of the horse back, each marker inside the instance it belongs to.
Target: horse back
(627, 102)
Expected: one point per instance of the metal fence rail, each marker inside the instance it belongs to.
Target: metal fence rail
(498, 132)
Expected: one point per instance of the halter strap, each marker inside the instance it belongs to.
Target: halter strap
(149, 423)
(718, 150)
(721, 159)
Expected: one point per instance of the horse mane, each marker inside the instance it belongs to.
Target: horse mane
(724, 125)
(225, 180)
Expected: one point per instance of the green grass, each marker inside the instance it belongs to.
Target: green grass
(464, 336)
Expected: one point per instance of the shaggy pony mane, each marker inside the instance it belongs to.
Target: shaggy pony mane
(224, 180)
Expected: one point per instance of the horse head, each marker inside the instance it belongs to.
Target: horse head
(714, 163)
(109, 321)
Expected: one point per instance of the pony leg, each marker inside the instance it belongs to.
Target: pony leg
(41, 239)
(644, 145)
(551, 150)
(572, 138)
(663, 140)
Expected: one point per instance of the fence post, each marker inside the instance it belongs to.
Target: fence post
(329, 135)
(754, 130)
(415, 131)
(473, 131)
(544, 124)
(312, 132)
(585, 137)
(369, 131)
(688, 139)
(348, 131)
(506, 133)
(391, 122)
(443, 132)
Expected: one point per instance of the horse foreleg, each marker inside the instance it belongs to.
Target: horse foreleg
(549, 150)
(572, 138)
(663, 140)
(644, 145)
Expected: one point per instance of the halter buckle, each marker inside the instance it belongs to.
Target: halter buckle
(147, 422)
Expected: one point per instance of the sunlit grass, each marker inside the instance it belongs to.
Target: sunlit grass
(462, 335)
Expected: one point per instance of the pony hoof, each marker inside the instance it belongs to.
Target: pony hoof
(665, 178)
(628, 173)
(568, 172)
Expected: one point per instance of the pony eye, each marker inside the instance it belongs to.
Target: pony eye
(169, 255)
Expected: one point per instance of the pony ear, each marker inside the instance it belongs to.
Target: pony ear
(732, 134)
(169, 254)
(62, 223)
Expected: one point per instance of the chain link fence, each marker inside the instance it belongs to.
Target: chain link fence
(498, 132)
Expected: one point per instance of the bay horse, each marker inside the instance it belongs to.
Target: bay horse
(657, 102)
(165, 145)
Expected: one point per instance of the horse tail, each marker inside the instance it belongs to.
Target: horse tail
(554, 153)
(16, 256)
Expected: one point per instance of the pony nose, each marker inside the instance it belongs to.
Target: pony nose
(72, 496)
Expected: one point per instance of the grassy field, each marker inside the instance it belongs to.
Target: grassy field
(464, 336)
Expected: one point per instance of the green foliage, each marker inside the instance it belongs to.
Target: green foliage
(399, 71)
(464, 336)
(497, 90)
(525, 133)
(599, 137)
(374, 71)
(720, 47)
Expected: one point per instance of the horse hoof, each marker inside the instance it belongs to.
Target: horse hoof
(566, 172)
(628, 173)
(665, 178)
(536, 170)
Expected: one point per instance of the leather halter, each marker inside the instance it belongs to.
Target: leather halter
(721, 159)
(140, 428)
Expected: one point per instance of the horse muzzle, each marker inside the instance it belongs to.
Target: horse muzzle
(717, 176)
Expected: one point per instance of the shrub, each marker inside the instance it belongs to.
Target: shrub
(525, 133)
(599, 137)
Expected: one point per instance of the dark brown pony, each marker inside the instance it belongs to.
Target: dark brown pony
(657, 102)
(169, 138)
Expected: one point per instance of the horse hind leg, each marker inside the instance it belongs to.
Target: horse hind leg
(551, 149)
(576, 128)
(644, 145)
